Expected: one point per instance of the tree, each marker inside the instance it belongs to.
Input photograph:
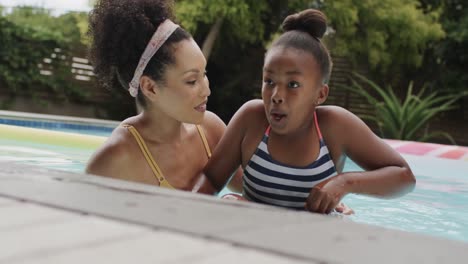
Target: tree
(70, 27)
(242, 18)
(390, 36)
(447, 57)
(34, 46)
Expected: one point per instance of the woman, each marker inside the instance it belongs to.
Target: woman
(135, 43)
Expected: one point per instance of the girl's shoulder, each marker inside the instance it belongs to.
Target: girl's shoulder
(253, 106)
(250, 115)
(252, 110)
(339, 125)
(333, 110)
(332, 115)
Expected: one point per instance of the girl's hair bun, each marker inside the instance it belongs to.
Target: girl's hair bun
(311, 21)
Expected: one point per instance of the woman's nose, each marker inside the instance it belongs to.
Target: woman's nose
(206, 91)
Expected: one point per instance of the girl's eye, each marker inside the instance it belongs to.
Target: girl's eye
(293, 85)
(192, 82)
(268, 82)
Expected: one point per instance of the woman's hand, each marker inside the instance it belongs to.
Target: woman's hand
(325, 197)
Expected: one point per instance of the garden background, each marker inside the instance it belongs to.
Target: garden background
(399, 64)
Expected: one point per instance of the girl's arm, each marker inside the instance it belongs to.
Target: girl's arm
(215, 129)
(227, 157)
(386, 173)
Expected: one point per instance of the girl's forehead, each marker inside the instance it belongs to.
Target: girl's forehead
(283, 57)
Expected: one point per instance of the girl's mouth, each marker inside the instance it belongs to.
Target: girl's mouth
(277, 117)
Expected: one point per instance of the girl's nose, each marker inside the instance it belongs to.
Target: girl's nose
(277, 97)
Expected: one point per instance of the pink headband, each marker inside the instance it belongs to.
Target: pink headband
(163, 32)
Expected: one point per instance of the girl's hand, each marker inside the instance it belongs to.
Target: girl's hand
(344, 209)
(325, 197)
(233, 196)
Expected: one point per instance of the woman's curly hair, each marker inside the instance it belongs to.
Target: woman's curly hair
(120, 31)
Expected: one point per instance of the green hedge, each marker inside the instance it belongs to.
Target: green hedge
(22, 52)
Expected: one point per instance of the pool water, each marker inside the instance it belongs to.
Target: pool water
(438, 206)
(49, 156)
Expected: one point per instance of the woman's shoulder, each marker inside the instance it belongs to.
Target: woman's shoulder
(212, 120)
(116, 153)
(213, 128)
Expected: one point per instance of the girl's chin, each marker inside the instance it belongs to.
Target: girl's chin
(278, 124)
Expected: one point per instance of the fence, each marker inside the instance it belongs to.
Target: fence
(81, 73)
(75, 69)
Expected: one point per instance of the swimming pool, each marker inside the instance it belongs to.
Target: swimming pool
(438, 206)
(86, 126)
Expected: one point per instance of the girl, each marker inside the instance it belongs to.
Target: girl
(293, 149)
(135, 43)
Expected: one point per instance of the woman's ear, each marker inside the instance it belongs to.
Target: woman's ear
(323, 94)
(148, 87)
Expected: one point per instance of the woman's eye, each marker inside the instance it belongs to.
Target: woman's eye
(195, 81)
(293, 85)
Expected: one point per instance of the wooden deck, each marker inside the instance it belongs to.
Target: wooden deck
(58, 217)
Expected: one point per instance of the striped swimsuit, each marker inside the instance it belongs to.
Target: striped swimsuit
(270, 182)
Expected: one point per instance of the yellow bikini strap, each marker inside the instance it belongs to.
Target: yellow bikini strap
(205, 142)
(149, 158)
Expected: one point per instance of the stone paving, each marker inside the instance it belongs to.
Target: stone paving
(59, 217)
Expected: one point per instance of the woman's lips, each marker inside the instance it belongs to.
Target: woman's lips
(201, 107)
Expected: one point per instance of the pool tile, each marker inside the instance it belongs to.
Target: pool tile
(454, 154)
(53, 125)
(416, 148)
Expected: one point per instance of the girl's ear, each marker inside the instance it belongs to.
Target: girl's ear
(323, 94)
(148, 87)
